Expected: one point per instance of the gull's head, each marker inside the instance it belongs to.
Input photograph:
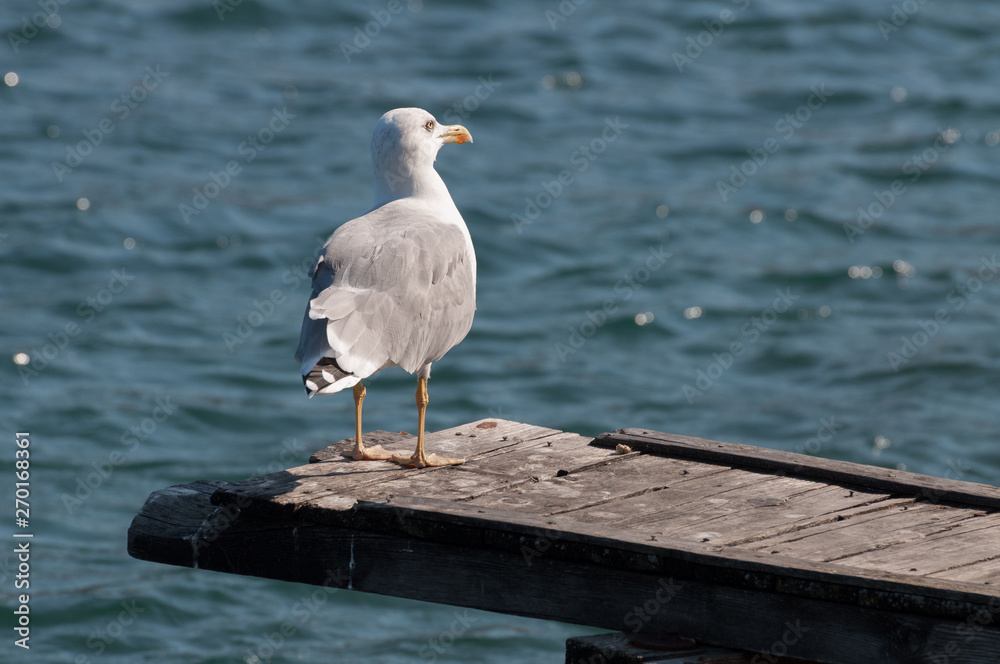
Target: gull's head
(404, 146)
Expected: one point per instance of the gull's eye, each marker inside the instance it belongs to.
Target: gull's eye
(429, 126)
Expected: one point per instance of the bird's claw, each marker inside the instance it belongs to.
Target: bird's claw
(429, 460)
(373, 453)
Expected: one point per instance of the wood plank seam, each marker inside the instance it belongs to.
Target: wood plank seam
(822, 519)
(969, 564)
(933, 489)
(945, 529)
(605, 501)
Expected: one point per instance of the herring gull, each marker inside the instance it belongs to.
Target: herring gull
(395, 287)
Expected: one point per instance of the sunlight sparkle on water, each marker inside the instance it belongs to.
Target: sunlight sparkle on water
(644, 318)
(903, 268)
(864, 272)
(692, 312)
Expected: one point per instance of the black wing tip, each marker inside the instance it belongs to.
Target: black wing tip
(315, 375)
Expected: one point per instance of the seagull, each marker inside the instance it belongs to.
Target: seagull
(395, 287)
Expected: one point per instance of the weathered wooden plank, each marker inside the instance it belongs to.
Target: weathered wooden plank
(563, 537)
(591, 484)
(330, 508)
(501, 471)
(579, 493)
(755, 511)
(859, 533)
(981, 571)
(466, 440)
(530, 537)
(931, 489)
(965, 542)
(180, 526)
(712, 609)
(728, 507)
(886, 568)
(334, 478)
(808, 511)
(713, 511)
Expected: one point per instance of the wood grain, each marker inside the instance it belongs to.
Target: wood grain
(724, 543)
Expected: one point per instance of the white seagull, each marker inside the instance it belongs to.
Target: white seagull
(395, 287)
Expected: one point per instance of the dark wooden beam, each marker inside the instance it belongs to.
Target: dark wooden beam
(426, 558)
(932, 489)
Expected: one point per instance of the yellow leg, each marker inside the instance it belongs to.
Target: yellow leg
(359, 398)
(361, 452)
(419, 459)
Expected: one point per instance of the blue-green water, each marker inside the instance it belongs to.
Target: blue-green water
(689, 169)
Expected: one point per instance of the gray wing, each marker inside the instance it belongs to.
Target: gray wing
(394, 287)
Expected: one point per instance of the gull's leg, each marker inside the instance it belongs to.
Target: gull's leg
(360, 451)
(419, 459)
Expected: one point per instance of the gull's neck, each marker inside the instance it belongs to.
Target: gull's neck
(406, 171)
(410, 180)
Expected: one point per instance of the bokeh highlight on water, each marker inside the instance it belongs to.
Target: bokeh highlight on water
(764, 222)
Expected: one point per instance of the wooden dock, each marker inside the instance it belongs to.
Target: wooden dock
(666, 538)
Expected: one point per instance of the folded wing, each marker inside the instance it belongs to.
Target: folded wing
(394, 287)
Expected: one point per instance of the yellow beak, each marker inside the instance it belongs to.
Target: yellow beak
(456, 134)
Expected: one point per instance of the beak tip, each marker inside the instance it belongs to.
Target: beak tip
(457, 134)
